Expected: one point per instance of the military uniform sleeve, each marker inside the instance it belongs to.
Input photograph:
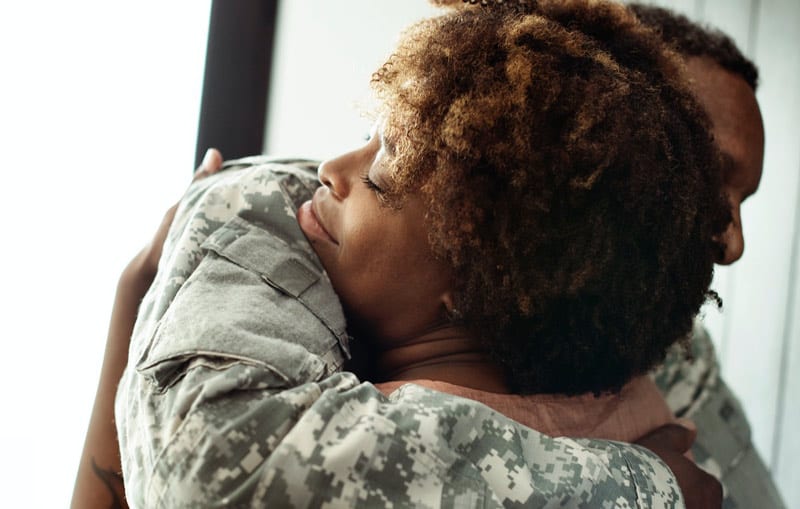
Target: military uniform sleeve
(694, 388)
(339, 443)
(237, 284)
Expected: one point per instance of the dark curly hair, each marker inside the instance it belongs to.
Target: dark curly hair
(694, 40)
(570, 179)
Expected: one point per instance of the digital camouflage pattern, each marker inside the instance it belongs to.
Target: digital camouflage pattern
(234, 394)
(694, 389)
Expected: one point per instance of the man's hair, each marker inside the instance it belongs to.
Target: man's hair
(691, 39)
(570, 181)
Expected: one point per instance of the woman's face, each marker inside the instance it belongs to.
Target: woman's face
(739, 131)
(377, 257)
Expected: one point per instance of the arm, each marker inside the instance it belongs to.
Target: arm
(99, 481)
(340, 442)
(236, 400)
(694, 389)
(670, 442)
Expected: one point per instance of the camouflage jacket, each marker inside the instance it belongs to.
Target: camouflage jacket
(234, 395)
(694, 389)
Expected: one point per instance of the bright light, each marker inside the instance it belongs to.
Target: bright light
(99, 104)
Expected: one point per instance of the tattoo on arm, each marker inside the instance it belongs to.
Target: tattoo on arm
(114, 483)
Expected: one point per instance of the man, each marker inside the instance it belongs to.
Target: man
(631, 473)
(725, 82)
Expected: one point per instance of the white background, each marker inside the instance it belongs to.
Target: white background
(99, 103)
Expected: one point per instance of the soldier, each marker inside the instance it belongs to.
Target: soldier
(725, 82)
(553, 208)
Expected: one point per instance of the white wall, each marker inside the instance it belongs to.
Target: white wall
(99, 104)
(327, 51)
(325, 54)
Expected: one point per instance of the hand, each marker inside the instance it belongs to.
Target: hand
(146, 262)
(670, 442)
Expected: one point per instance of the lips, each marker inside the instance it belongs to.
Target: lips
(311, 224)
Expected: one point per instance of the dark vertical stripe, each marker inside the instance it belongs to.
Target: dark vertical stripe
(237, 74)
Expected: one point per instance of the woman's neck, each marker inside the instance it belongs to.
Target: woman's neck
(443, 353)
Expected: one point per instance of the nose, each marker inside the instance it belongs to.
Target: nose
(733, 238)
(332, 174)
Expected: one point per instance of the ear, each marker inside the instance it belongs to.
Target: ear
(448, 301)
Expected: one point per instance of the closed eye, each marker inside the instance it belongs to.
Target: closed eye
(371, 184)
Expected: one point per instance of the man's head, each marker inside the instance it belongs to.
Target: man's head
(724, 81)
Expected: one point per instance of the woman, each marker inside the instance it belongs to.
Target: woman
(519, 221)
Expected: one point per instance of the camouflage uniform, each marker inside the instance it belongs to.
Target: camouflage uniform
(695, 390)
(235, 397)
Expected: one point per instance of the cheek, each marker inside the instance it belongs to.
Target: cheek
(364, 260)
(385, 264)
(366, 241)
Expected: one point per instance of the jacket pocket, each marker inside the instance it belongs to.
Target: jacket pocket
(254, 298)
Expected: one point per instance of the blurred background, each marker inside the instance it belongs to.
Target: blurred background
(104, 114)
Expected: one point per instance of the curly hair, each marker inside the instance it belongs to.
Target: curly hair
(570, 182)
(694, 40)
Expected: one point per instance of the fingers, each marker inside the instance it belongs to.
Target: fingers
(147, 259)
(700, 489)
(670, 442)
(212, 162)
(670, 436)
(687, 423)
(163, 228)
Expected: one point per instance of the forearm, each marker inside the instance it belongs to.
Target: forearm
(99, 481)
